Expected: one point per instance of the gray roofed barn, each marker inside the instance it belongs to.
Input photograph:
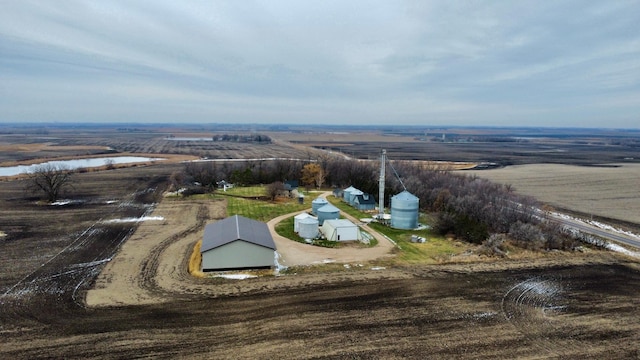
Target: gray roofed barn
(237, 242)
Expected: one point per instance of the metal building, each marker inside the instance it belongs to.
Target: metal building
(346, 193)
(341, 230)
(237, 243)
(404, 211)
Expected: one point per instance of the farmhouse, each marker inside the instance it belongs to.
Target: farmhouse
(237, 243)
(340, 230)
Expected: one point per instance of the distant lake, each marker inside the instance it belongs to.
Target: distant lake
(76, 164)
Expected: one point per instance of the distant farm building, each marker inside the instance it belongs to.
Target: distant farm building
(237, 243)
(340, 230)
(352, 196)
(364, 202)
(346, 193)
(404, 211)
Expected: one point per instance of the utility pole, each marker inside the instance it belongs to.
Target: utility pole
(381, 185)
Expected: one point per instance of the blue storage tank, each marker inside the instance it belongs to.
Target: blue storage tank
(404, 211)
(346, 193)
(328, 212)
(352, 196)
(317, 204)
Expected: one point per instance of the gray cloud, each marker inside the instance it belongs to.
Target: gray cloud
(569, 63)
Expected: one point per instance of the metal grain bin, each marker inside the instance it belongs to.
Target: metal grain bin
(346, 193)
(404, 211)
(317, 204)
(328, 212)
(308, 228)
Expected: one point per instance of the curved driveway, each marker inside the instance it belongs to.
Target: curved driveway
(295, 253)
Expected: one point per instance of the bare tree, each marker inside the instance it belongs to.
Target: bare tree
(274, 189)
(50, 179)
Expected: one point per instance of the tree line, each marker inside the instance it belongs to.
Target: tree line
(469, 207)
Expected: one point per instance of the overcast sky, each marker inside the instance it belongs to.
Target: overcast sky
(485, 63)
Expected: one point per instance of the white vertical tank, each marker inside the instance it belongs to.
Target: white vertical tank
(308, 228)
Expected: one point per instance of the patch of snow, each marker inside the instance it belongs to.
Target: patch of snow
(376, 268)
(347, 266)
(109, 202)
(2, 234)
(236, 276)
(620, 249)
(278, 267)
(65, 202)
(129, 220)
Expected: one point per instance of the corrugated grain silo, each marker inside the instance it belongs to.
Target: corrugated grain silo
(308, 228)
(328, 212)
(404, 211)
(297, 219)
(346, 193)
(317, 204)
(353, 195)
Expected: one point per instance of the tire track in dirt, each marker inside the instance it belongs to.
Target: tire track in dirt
(533, 307)
(149, 268)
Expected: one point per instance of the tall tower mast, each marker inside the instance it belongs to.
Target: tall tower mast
(381, 184)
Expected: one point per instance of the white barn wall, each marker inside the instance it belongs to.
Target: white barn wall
(236, 255)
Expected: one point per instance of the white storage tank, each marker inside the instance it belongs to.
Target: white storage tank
(404, 211)
(297, 219)
(328, 212)
(308, 228)
(317, 204)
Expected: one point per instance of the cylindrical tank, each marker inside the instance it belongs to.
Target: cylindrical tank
(404, 211)
(328, 212)
(346, 193)
(296, 220)
(308, 228)
(317, 204)
(352, 196)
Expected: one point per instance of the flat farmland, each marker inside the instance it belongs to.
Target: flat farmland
(606, 191)
(70, 287)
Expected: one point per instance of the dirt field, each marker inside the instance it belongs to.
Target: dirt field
(609, 192)
(146, 305)
(578, 306)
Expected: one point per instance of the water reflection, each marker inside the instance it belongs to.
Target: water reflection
(76, 164)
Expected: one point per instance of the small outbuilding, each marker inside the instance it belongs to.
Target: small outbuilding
(237, 243)
(364, 202)
(340, 230)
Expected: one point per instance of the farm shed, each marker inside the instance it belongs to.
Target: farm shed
(364, 202)
(237, 243)
(340, 230)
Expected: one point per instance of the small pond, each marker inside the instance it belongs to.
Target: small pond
(76, 164)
